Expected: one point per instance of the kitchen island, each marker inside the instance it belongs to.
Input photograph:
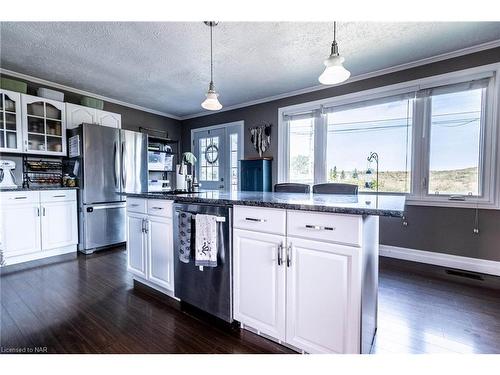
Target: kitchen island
(304, 267)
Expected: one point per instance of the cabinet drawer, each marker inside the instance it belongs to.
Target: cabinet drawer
(57, 195)
(159, 207)
(18, 197)
(138, 205)
(269, 220)
(338, 228)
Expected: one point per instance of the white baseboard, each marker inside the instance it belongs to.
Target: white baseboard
(488, 267)
(39, 255)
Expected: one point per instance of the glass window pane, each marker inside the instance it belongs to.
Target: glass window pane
(301, 148)
(36, 125)
(53, 112)
(354, 133)
(454, 156)
(10, 121)
(10, 105)
(36, 109)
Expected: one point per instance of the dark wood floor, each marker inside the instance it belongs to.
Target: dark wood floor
(88, 304)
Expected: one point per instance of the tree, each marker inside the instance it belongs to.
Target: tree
(333, 173)
(355, 174)
(300, 164)
(342, 175)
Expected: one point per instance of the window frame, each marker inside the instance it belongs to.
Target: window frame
(420, 148)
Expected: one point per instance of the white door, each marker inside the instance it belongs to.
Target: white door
(113, 120)
(78, 114)
(20, 229)
(136, 244)
(59, 224)
(323, 305)
(160, 252)
(259, 282)
(10, 122)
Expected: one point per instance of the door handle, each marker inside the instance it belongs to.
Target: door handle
(289, 255)
(124, 165)
(280, 254)
(146, 222)
(38, 211)
(43, 211)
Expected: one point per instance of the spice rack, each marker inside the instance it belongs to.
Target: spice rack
(42, 172)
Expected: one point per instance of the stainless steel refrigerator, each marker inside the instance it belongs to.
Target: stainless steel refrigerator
(107, 162)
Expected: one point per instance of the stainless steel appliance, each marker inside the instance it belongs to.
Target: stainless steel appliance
(107, 161)
(207, 288)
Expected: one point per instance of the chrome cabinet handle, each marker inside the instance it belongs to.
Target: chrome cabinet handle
(255, 220)
(38, 211)
(318, 227)
(280, 254)
(146, 222)
(20, 197)
(157, 208)
(133, 205)
(59, 196)
(289, 255)
(43, 211)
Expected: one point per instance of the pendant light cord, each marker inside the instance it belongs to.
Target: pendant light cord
(211, 58)
(334, 31)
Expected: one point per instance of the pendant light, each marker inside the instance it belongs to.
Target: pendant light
(211, 102)
(334, 70)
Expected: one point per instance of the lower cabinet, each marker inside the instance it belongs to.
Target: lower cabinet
(150, 248)
(259, 281)
(37, 224)
(322, 308)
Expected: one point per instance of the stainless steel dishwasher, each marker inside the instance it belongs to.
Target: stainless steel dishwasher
(208, 288)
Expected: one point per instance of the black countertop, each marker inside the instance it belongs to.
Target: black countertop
(362, 204)
(39, 188)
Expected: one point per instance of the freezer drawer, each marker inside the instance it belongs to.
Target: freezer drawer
(103, 225)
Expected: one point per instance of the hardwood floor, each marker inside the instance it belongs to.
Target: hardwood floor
(78, 304)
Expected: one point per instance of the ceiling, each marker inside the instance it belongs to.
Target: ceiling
(165, 66)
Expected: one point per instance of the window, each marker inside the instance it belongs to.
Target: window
(436, 139)
(383, 128)
(455, 143)
(209, 152)
(234, 161)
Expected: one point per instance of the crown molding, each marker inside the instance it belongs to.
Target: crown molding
(360, 77)
(85, 93)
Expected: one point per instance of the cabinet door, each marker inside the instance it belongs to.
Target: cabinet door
(78, 114)
(113, 120)
(323, 297)
(59, 224)
(160, 252)
(259, 282)
(10, 122)
(136, 244)
(20, 229)
(44, 126)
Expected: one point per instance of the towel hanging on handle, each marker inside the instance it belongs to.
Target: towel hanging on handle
(206, 240)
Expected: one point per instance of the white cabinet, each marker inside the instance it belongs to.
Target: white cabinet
(37, 224)
(150, 251)
(136, 244)
(302, 283)
(259, 281)
(10, 122)
(113, 120)
(160, 251)
(77, 114)
(44, 127)
(322, 297)
(20, 228)
(59, 224)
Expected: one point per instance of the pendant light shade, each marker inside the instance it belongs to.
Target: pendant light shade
(334, 69)
(211, 103)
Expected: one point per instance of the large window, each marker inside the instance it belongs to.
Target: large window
(436, 139)
(383, 128)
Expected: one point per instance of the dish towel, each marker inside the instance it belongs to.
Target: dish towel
(184, 236)
(206, 241)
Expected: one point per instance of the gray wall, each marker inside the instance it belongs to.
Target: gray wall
(446, 230)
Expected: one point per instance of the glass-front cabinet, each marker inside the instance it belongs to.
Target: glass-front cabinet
(10, 121)
(44, 129)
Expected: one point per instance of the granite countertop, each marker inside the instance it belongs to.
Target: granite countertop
(36, 188)
(362, 204)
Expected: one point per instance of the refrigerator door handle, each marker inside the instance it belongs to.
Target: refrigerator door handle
(124, 166)
(117, 166)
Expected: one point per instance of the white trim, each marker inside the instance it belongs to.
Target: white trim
(39, 255)
(225, 125)
(489, 267)
(85, 93)
(359, 77)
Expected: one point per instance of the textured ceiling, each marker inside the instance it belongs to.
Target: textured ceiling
(165, 66)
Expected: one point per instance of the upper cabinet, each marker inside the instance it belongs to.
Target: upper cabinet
(77, 114)
(10, 122)
(44, 129)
